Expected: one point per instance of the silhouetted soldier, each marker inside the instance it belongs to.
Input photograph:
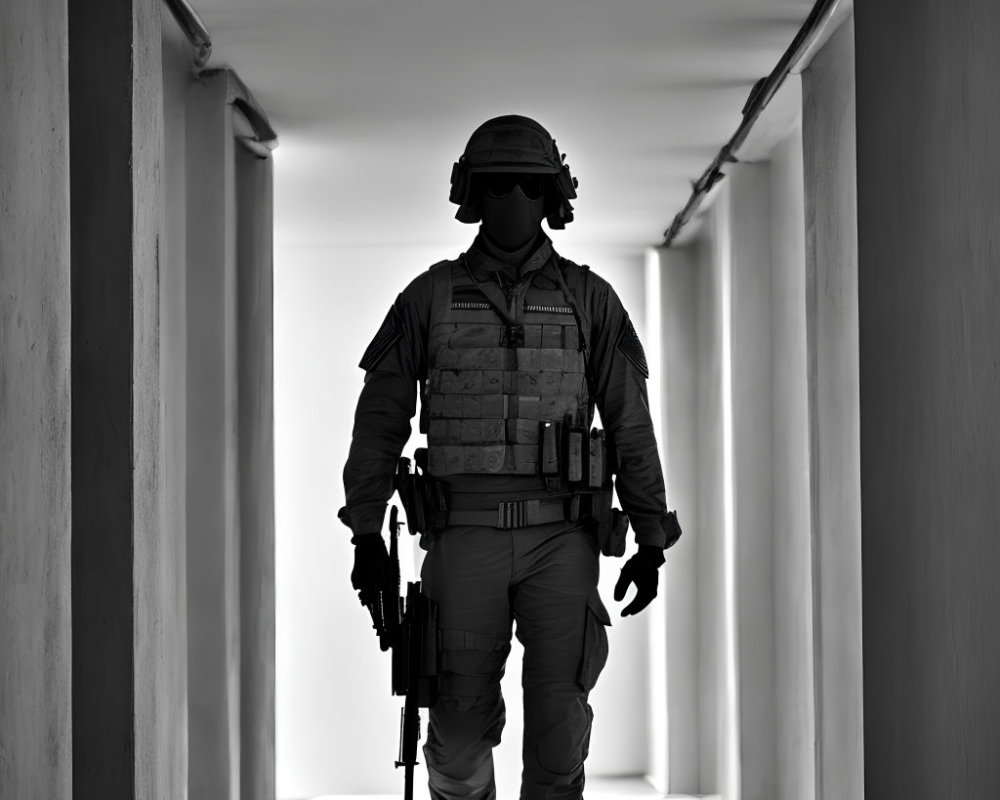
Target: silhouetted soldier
(512, 346)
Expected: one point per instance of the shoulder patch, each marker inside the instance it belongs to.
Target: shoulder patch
(631, 348)
(390, 333)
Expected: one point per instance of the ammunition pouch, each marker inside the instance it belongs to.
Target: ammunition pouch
(577, 468)
(573, 460)
(585, 464)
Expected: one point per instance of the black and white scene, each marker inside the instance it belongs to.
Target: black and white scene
(470, 400)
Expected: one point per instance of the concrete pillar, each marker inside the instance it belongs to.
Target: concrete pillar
(230, 451)
(717, 764)
(177, 78)
(212, 475)
(123, 603)
(35, 511)
(750, 399)
(255, 312)
(792, 542)
(828, 121)
(677, 372)
(928, 293)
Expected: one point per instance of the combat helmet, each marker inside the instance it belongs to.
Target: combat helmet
(512, 143)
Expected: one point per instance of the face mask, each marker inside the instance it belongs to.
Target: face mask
(512, 209)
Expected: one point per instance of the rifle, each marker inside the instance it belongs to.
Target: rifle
(409, 627)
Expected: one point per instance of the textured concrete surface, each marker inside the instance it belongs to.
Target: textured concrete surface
(929, 290)
(678, 374)
(716, 707)
(213, 556)
(828, 120)
(752, 393)
(102, 264)
(125, 667)
(229, 453)
(792, 548)
(158, 770)
(255, 301)
(35, 635)
(777, 361)
(177, 77)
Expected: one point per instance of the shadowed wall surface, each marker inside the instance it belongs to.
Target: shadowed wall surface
(759, 322)
(831, 292)
(35, 741)
(929, 290)
(125, 674)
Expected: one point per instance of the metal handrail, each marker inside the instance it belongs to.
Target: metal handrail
(761, 94)
(193, 28)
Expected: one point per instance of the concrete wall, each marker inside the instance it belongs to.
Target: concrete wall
(760, 346)
(177, 76)
(325, 312)
(828, 122)
(35, 679)
(123, 671)
(157, 713)
(94, 330)
(929, 290)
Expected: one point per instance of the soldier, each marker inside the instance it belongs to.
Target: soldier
(512, 346)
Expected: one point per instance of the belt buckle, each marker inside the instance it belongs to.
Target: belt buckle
(510, 514)
(503, 514)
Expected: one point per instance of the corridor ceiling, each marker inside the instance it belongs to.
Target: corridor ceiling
(373, 100)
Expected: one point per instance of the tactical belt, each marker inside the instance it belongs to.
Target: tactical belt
(514, 513)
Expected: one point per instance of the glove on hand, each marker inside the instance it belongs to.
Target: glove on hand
(371, 564)
(642, 570)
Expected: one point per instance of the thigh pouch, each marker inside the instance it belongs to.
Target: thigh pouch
(595, 643)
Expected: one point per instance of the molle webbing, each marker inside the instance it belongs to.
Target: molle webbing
(494, 379)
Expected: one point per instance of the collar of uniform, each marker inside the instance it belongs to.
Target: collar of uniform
(483, 258)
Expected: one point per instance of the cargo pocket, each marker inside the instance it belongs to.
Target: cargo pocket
(595, 643)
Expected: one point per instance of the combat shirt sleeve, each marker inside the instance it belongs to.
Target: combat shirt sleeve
(394, 363)
(619, 371)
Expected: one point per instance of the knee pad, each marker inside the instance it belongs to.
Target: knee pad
(562, 744)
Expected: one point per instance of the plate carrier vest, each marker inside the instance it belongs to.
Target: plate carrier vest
(501, 369)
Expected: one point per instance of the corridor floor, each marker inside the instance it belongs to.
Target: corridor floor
(597, 789)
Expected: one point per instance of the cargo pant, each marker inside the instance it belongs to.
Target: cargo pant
(545, 582)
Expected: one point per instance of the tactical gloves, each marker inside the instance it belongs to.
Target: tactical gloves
(371, 564)
(642, 569)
